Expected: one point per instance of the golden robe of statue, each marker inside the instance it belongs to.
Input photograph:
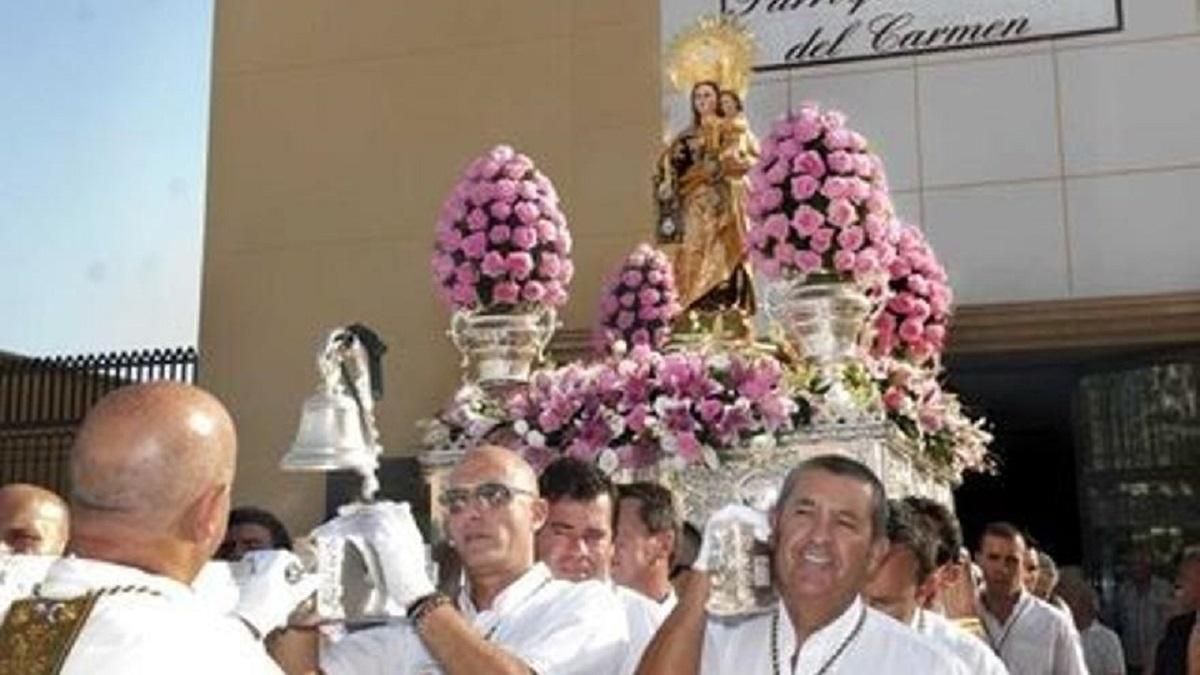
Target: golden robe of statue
(701, 189)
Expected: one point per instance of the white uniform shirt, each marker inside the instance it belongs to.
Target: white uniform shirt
(20, 574)
(643, 616)
(973, 652)
(882, 646)
(667, 605)
(1102, 650)
(155, 626)
(555, 627)
(1036, 639)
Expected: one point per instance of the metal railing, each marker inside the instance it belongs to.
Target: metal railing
(43, 401)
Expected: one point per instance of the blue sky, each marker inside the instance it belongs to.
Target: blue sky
(103, 143)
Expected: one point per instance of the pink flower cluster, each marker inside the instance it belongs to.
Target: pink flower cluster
(502, 240)
(933, 418)
(915, 318)
(644, 407)
(819, 202)
(639, 301)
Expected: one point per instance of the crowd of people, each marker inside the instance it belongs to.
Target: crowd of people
(562, 572)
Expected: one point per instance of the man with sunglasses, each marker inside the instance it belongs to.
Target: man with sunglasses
(577, 544)
(512, 616)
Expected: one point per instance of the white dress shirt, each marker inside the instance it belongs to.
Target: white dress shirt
(20, 574)
(643, 617)
(882, 646)
(973, 652)
(146, 624)
(1036, 639)
(1102, 650)
(555, 627)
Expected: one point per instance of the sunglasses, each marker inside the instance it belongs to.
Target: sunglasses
(485, 495)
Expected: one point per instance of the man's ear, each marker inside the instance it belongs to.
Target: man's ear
(876, 554)
(538, 511)
(667, 540)
(205, 519)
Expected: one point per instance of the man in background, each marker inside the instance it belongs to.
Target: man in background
(647, 527)
(1029, 635)
(1142, 609)
(253, 529)
(897, 587)
(33, 520)
(1101, 646)
(1173, 656)
(577, 544)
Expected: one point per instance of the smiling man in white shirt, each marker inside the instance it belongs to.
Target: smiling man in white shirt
(828, 536)
(512, 616)
(896, 589)
(1030, 636)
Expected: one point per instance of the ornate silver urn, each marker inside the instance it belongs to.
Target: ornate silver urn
(501, 349)
(827, 323)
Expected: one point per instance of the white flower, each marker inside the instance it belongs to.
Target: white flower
(535, 439)
(521, 427)
(608, 461)
(670, 444)
(762, 443)
(719, 361)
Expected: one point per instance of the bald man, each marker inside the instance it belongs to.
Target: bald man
(33, 520)
(511, 617)
(151, 471)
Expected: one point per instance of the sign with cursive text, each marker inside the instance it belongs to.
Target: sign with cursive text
(796, 33)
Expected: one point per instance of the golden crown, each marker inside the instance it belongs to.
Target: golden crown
(716, 48)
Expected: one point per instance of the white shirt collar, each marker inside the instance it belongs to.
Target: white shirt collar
(823, 642)
(70, 576)
(1018, 609)
(513, 595)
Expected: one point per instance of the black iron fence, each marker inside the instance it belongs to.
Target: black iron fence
(43, 401)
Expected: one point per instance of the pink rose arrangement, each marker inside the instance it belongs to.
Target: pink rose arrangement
(819, 202)
(916, 316)
(502, 240)
(644, 407)
(639, 301)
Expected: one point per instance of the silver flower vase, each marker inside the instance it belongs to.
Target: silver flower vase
(827, 323)
(501, 349)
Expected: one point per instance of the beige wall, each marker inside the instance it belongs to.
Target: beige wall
(337, 129)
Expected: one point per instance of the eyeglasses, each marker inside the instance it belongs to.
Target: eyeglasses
(486, 495)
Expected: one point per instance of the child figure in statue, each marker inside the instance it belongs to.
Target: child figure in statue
(701, 190)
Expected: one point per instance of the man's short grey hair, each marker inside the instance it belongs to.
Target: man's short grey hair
(840, 465)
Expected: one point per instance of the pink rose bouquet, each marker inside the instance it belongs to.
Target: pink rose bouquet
(819, 202)
(915, 319)
(639, 301)
(502, 240)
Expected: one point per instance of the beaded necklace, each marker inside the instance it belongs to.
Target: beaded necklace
(862, 618)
